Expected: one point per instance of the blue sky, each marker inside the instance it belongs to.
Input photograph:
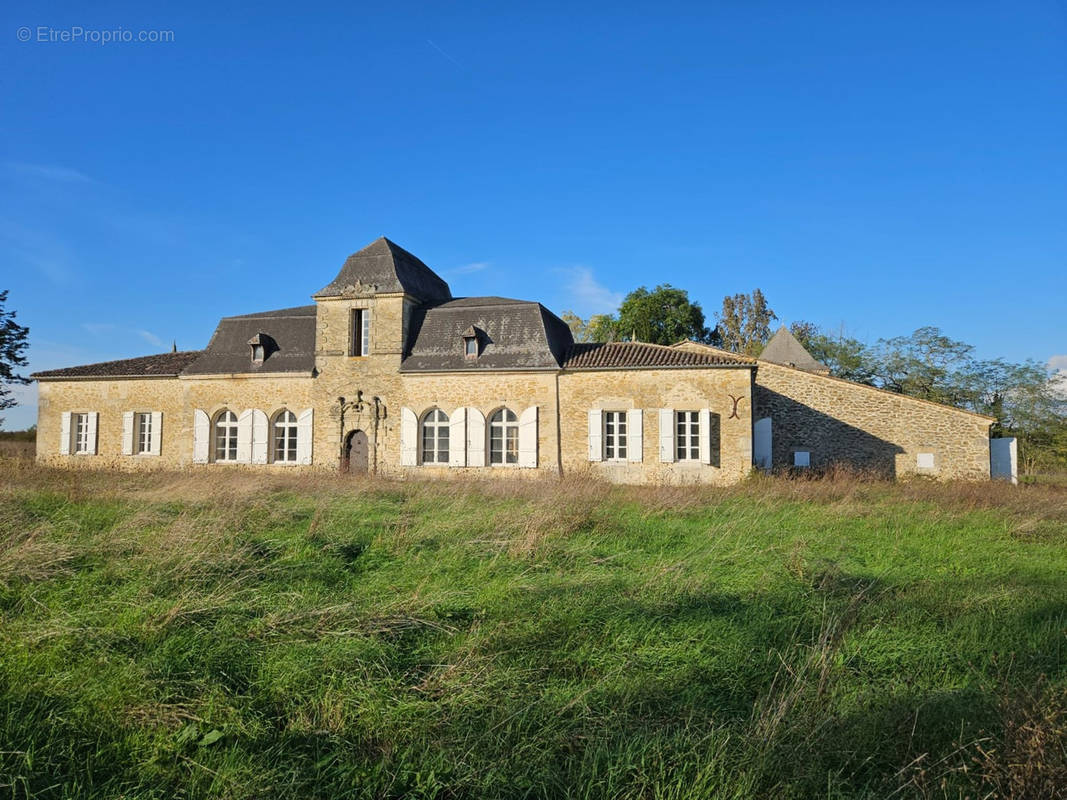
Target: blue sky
(873, 167)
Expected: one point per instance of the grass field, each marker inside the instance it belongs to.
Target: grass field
(254, 636)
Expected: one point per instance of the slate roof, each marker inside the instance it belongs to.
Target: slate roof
(390, 268)
(783, 348)
(512, 334)
(288, 333)
(641, 355)
(159, 366)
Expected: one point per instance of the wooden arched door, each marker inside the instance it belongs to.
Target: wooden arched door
(356, 458)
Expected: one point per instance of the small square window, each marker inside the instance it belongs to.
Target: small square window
(470, 347)
(925, 461)
(257, 352)
(802, 458)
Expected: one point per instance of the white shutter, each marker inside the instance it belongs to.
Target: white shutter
(304, 433)
(528, 438)
(127, 433)
(201, 436)
(157, 433)
(457, 438)
(596, 428)
(260, 428)
(666, 435)
(64, 434)
(409, 438)
(761, 444)
(475, 438)
(704, 418)
(635, 445)
(244, 436)
(93, 419)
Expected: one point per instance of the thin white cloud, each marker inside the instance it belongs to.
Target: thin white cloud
(151, 338)
(467, 269)
(104, 328)
(586, 294)
(49, 172)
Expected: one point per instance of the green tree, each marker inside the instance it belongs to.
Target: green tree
(664, 315)
(845, 356)
(926, 364)
(13, 344)
(598, 328)
(745, 322)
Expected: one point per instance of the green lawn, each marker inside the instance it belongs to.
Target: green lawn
(252, 637)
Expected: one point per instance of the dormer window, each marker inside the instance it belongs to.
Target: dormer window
(260, 345)
(470, 342)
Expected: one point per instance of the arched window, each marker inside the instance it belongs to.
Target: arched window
(285, 434)
(435, 437)
(226, 436)
(503, 438)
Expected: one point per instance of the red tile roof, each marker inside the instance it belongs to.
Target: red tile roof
(163, 365)
(638, 355)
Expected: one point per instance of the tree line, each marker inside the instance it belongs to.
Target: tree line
(1026, 399)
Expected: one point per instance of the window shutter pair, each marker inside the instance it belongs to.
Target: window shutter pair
(667, 435)
(129, 434)
(65, 424)
(475, 438)
(635, 439)
(244, 436)
(457, 438)
(260, 430)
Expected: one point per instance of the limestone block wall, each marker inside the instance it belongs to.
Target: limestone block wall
(110, 399)
(175, 398)
(712, 388)
(390, 319)
(488, 393)
(838, 421)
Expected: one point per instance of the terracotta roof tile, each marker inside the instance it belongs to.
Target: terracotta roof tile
(163, 365)
(638, 355)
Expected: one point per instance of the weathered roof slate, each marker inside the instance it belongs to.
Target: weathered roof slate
(289, 332)
(641, 355)
(512, 334)
(158, 366)
(783, 348)
(387, 267)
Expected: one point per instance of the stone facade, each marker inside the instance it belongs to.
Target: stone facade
(840, 422)
(570, 401)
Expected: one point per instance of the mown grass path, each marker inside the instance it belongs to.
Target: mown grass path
(247, 636)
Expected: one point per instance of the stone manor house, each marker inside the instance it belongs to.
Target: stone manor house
(387, 372)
